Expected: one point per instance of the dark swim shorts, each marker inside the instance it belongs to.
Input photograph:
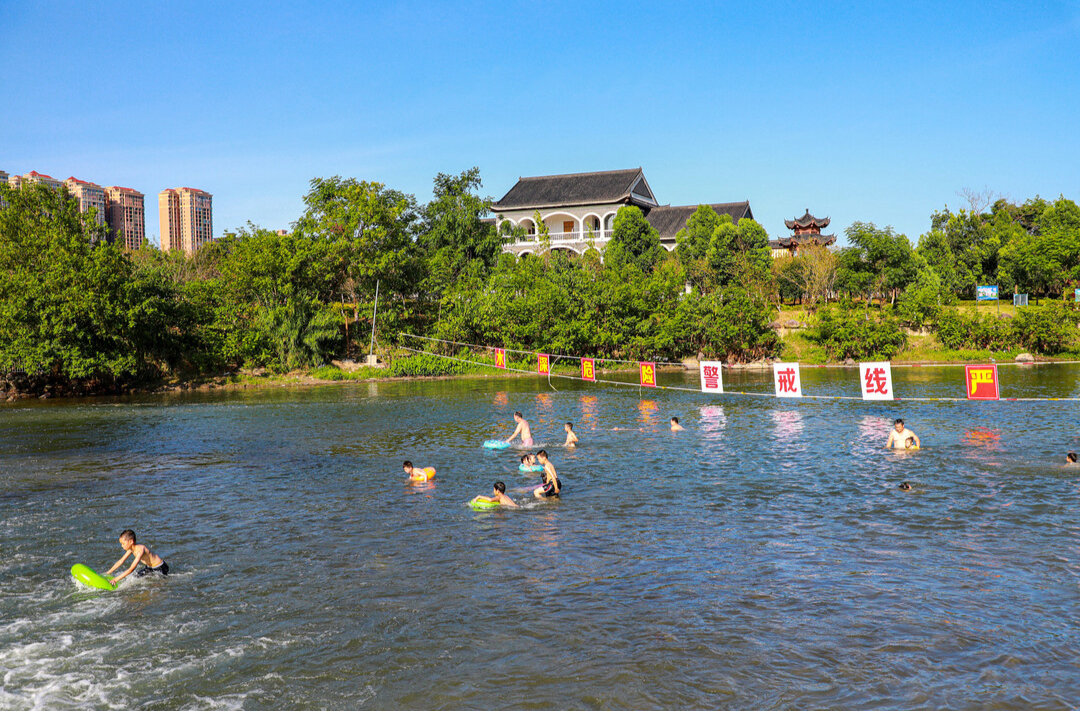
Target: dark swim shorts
(147, 570)
(549, 489)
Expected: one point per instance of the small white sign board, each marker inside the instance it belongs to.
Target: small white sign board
(786, 380)
(712, 378)
(876, 381)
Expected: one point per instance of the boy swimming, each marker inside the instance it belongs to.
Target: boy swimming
(152, 563)
(1070, 459)
(900, 435)
(498, 496)
(418, 473)
(551, 486)
(522, 429)
(571, 438)
(675, 426)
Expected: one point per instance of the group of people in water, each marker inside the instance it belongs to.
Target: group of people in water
(550, 487)
(145, 562)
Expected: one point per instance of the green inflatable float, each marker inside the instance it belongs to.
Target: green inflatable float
(88, 576)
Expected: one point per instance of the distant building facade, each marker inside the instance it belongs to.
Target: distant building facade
(17, 181)
(806, 230)
(186, 219)
(90, 196)
(579, 210)
(126, 215)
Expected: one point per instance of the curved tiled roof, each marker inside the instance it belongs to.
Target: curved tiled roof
(604, 187)
(799, 240)
(807, 220)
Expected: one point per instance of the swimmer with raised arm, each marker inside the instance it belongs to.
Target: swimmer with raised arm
(498, 496)
(523, 429)
(675, 426)
(900, 435)
(571, 438)
(551, 486)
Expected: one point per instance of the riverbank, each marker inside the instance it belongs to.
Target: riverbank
(922, 349)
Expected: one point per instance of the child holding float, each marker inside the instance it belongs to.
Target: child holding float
(498, 498)
(152, 563)
(417, 474)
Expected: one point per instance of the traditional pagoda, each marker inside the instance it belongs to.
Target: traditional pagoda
(806, 231)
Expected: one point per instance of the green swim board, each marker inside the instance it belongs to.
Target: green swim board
(480, 505)
(88, 576)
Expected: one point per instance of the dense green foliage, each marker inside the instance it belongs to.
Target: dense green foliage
(1049, 330)
(855, 333)
(75, 306)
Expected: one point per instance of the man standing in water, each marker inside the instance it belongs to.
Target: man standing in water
(900, 435)
(523, 429)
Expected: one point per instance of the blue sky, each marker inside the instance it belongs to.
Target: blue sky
(878, 112)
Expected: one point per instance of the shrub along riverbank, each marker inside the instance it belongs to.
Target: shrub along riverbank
(80, 315)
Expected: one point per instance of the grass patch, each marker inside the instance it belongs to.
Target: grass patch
(799, 348)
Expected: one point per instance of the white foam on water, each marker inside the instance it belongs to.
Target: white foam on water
(233, 702)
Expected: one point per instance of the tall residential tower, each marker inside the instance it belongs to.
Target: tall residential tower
(126, 215)
(89, 195)
(186, 218)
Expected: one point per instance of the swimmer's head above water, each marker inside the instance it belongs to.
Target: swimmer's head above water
(500, 487)
(905, 486)
(1071, 457)
(675, 426)
(407, 466)
(899, 425)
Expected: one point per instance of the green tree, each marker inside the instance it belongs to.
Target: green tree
(692, 242)
(633, 241)
(454, 235)
(68, 304)
(880, 261)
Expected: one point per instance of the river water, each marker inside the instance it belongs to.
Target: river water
(762, 559)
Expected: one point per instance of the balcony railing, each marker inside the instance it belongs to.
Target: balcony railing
(575, 236)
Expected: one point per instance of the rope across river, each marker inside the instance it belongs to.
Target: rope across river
(804, 396)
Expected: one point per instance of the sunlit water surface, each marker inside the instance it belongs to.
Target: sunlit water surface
(762, 559)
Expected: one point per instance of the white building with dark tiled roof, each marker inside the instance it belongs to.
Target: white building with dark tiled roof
(579, 209)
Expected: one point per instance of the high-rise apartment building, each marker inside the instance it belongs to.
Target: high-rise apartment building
(33, 176)
(186, 218)
(126, 215)
(89, 195)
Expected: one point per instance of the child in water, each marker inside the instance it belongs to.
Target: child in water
(909, 443)
(675, 426)
(571, 438)
(551, 486)
(417, 473)
(152, 563)
(498, 496)
(528, 460)
(1070, 459)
